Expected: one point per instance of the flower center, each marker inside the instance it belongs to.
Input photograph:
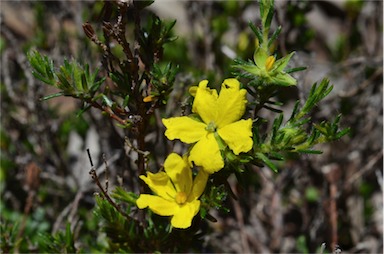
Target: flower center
(181, 197)
(211, 127)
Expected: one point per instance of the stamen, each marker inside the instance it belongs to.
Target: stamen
(181, 198)
(211, 127)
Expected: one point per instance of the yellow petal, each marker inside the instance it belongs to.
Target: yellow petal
(161, 184)
(192, 90)
(231, 103)
(149, 98)
(183, 217)
(199, 184)
(205, 102)
(157, 204)
(184, 128)
(179, 172)
(206, 153)
(238, 135)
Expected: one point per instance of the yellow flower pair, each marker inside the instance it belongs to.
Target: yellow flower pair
(217, 126)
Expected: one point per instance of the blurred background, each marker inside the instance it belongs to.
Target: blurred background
(44, 179)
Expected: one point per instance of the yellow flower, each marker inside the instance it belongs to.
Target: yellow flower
(176, 192)
(220, 116)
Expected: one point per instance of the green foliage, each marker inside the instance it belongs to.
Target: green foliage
(135, 81)
(18, 232)
(130, 83)
(127, 235)
(120, 230)
(263, 79)
(162, 81)
(298, 134)
(152, 39)
(72, 79)
(61, 242)
(301, 244)
(214, 198)
(120, 194)
(9, 240)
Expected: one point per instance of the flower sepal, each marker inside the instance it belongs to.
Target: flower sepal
(268, 69)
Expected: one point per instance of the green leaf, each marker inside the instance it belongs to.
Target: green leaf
(120, 194)
(276, 156)
(252, 69)
(267, 162)
(260, 57)
(70, 244)
(272, 109)
(297, 69)
(274, 36)
(276, 125)
(107, 101)
(270, 12)
(63, 83)
(342, 133)
(49, 72)
(309, 151)
(256, 31)
(43, 67)
(280, 64)
(52, 96)
(84, 83)
(295, 110)
(283, 79)
(96, 85)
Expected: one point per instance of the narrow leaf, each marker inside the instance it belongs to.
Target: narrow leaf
(267, 162)
(52, 96)
(342, 133)
(309, 151)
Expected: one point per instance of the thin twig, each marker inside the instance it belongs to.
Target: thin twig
(106, 173)
(363, 85)
(94, 176)
(365, 169)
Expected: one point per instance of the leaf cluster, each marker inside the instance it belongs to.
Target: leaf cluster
(126, 234)
(61, 242)
(118, 90)
(121, 231)
(263, 79)
(71, 78)
(298, 135)
(214, 198)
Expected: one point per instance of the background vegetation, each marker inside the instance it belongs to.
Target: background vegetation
(47, 195)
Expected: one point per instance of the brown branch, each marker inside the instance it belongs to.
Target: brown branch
(94, 176)
(109, 111)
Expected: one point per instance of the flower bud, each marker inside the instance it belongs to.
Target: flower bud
(269, 63)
